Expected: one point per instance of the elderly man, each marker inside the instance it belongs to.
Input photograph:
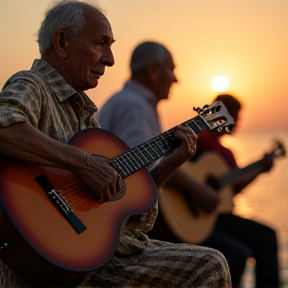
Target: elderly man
(41, 109)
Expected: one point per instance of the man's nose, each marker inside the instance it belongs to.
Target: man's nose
(108, 58)
(175, 78)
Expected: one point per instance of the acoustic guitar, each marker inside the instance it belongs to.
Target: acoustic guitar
(192, 225)
(53, 231)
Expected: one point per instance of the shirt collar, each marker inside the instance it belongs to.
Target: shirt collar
(58, 84)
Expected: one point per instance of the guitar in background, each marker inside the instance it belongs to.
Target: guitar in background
(192, 225)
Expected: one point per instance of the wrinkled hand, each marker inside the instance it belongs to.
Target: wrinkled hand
(100, 177)
(268, 161)
(187, 147)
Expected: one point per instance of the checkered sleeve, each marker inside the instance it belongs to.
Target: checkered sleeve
(20, 101)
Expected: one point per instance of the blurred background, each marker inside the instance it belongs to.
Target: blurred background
(244, 40)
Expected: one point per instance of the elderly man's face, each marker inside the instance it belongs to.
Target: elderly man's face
(91, 52)
(165, 79)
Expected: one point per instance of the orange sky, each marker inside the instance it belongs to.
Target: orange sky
(245, 40)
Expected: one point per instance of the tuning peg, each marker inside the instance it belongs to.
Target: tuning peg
(219, 129)
(229, 129)
(198, 110)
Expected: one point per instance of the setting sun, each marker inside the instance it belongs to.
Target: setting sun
(220, 83)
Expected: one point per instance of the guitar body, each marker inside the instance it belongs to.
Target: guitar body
(187, 226)
(38, 242)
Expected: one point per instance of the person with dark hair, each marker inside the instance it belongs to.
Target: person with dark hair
(236, 237)
(40, 111)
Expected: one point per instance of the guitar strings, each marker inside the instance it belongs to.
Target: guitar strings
(140, 150)
(76, 189)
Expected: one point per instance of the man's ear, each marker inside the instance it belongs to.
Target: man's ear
(60, 43)
(152, 71)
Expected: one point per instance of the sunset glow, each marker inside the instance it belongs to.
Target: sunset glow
(235, 47)
(220, 83)
(202, 44)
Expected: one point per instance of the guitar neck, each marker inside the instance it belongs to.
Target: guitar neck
(150, 151)
(235, 175)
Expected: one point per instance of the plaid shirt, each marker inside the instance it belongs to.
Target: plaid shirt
(43, 97)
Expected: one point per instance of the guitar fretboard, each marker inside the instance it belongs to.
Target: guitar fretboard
(235, 175)
(150, 151)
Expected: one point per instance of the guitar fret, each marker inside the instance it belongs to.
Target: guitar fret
(201, 124)
(122, 172)
(197, 124)
(146, 153)
(151, 146)
(197, 127)
(143, 163)
(159, 146)
(147, 161)
(152, 158)
(129, 153)
(166, 143)
(119, 169)
(118, 165)
(124, 158)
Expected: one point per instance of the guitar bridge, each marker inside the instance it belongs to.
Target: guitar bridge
(60, 203)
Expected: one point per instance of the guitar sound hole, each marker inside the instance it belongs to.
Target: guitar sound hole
(115, 197)
(213, 182)
(121, 193)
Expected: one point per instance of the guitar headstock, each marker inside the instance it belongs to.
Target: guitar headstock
(217, 117)
(278, 149)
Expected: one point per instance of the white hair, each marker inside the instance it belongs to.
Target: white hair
(64, 14)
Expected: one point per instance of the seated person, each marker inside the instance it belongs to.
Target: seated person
(41, 109)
